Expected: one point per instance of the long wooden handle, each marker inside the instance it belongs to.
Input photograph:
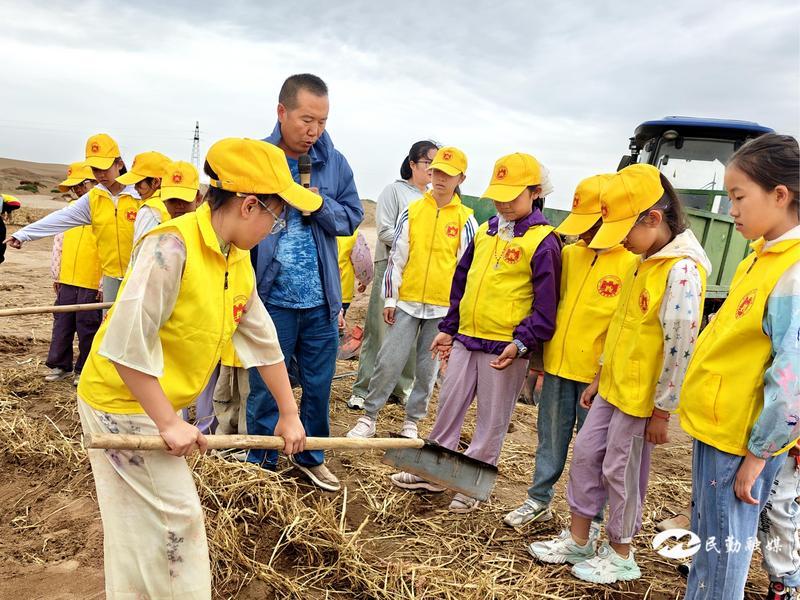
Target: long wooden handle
(111, 441)
(35, 310)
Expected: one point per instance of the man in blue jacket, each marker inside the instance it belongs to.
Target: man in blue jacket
(297, 273)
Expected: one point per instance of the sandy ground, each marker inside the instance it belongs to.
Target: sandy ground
(50, 533)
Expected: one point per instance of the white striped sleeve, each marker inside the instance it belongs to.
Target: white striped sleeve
(398, 258)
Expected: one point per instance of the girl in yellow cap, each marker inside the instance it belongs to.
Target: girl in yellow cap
(647, 347)
(502, 307)
(431, 236)
(190, 289)
(591, 281)
(109, 207)
(741, 397)
(145, 176)
(75, 266)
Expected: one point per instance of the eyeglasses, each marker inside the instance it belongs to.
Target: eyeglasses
(424, 163)
(278, 223)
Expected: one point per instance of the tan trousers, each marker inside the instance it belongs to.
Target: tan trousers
(154, 538)
(230, 400)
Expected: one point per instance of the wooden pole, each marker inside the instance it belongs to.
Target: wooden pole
(112, 441)
(35, 310)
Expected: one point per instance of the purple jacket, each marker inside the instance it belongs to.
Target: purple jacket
(537, 327)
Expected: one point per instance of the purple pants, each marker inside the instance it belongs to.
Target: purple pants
(610, 460)
(66, 325)
(469, 374)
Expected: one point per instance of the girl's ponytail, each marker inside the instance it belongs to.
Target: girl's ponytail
(672, 208)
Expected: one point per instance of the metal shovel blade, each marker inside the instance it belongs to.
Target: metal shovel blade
(445, 467)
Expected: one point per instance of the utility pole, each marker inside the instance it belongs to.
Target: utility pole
(196, 146)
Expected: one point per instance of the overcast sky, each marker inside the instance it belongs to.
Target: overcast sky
(565, 81)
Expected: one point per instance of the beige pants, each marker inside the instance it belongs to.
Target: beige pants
(230, 400)
(154, 538)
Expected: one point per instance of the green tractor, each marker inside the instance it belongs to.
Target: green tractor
(692, 153)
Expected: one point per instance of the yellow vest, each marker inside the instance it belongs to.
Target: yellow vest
(80, 264)
(210, 303)
(113, 228)
(229, 358)
(499, 290)
(591, 284)
(155, 202)
(633, 354)
(434, 235)
(723, 392)
(347, 272)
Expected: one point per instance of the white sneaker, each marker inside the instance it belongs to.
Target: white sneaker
(562, 549)
(409, 429)
(57, 374)
(355, 402)
(76, 380)
(607, 567)
(530, 512)
(364, 428)
(409, 481)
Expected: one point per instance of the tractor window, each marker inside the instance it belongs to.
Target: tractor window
(696, 170)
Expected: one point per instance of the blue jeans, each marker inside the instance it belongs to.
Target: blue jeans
(312, 337)
(559, 415)
(725, 525)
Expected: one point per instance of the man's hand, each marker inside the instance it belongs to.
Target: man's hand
(388, 315)
(746, 476)
(657, 430)
(441, 346)
(13, 242)
(182, 438)
(291, 430)
(506, 357)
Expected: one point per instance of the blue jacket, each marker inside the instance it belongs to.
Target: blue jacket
(340, 214)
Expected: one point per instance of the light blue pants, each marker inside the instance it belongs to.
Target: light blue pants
(725, 525)
(779, 525)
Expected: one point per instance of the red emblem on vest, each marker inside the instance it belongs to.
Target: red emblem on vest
(604, 209)
(501, 173)
(746, 303)
(644, 301)
(576, 201)
(95, 147)
(131, 215)
(512, 255)
(238, 308)
(447, 155)
(177, 177)
(451, 230)
(608, 286)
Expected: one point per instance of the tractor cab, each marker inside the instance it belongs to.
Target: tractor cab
(692, 152)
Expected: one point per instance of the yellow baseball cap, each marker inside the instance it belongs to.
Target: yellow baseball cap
(585, 205)
(101, 151)
(77, 173)
(450, 160)
(626, 195)
(254, 167)
(511, 175)
(146, 164)
(180, 181)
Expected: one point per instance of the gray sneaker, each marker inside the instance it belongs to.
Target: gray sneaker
(319, 475)
(562, 549)
(530, 512)
(56, 374)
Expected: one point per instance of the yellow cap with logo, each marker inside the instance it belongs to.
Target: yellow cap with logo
(146, 164)
(625, 196)
(101, 151)
(180, 181)
(512, 174)
(77, 173)
(585, 205)
(254, 167)
(450, 160)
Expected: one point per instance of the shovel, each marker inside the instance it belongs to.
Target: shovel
(423, 458)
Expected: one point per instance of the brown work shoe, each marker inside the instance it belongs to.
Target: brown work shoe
(319, 475)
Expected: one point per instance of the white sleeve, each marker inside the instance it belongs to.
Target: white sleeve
(147, 218)
(145, 304)
(680, 315)
(255, 339)
(72, 215)
(398, 258)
